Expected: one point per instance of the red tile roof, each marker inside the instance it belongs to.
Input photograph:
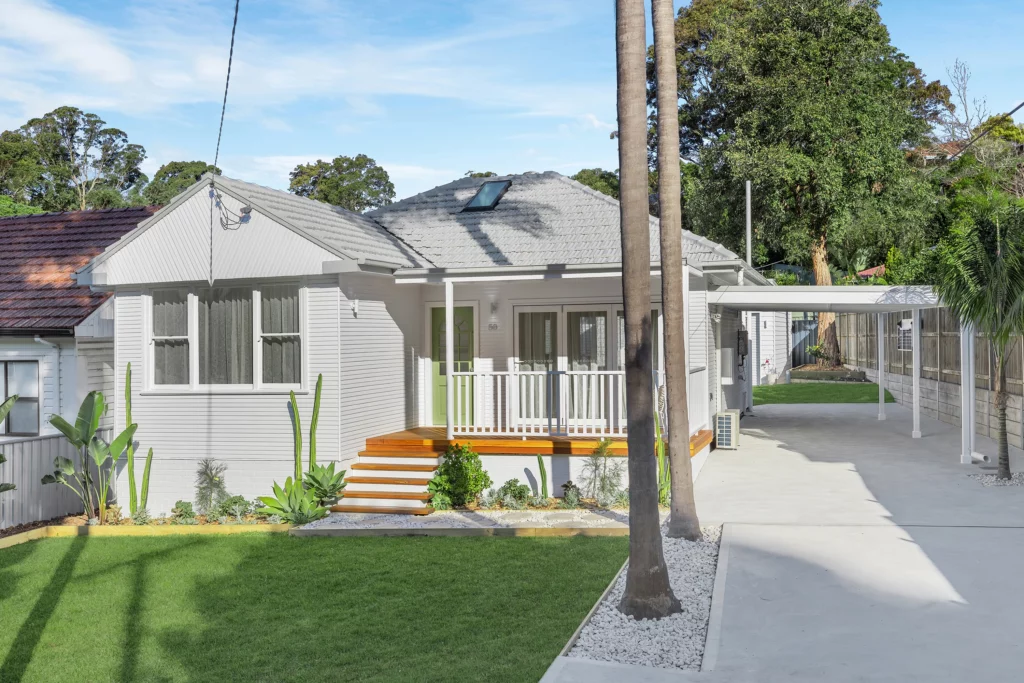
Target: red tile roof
(38, 255)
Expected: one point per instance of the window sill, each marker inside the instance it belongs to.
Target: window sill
(248, 391)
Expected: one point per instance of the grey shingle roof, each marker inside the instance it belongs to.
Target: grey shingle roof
(344, 231)
(544, 218)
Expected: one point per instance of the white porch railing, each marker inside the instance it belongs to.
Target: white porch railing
(559, 402)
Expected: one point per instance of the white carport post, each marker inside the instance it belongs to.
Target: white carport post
(880, 335)
(915, 335)
(449, 357)
(967, 392)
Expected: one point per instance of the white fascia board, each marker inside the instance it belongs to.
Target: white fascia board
(838, 299)
(509, 273)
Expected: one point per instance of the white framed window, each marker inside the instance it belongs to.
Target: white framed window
(171, 337)
(905, 335)
(280, 336)
(231, 337)
(21, 379)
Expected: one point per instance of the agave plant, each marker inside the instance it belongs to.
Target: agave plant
(293, 503)
(327, 487)
(83, 436)
(5, 408)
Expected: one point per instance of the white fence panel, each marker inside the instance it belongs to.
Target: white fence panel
(28, 460)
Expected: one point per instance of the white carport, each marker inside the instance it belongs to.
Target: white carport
(878, 300)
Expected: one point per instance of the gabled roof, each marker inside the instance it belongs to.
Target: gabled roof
(38, 255)
(544, 218)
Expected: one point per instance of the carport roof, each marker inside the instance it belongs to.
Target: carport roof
(848, 299)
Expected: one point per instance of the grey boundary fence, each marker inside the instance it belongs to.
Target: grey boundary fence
(28, 460)
(940, 368)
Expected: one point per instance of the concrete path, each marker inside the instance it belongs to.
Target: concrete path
(852, 552)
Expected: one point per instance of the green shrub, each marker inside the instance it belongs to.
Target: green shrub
(513, 489)
(460, 476)
(438, 488)
(510, 502)
(235, 506)
(568, 487)
(328, 486)
(182, 510)
(570, 499)
(539, 501)
(490, 500)
(293, 503)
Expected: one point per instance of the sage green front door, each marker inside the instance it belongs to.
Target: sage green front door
(463, 329)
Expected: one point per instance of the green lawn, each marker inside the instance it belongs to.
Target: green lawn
(819, 393)
(270, 607)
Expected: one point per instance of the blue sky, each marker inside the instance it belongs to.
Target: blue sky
(430, 89)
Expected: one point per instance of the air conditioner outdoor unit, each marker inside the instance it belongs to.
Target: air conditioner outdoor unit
(727, 429)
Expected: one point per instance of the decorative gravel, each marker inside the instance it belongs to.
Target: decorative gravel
(465, 519)
(1016, 479)
(675, 642)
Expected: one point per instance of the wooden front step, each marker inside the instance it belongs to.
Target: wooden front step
(387, 495)
(699, 440)
(382, 510)
(397, 481)
(378, 467)
(396, 453)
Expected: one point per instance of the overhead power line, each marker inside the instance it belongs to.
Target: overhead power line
(985, 132)
(227, 83)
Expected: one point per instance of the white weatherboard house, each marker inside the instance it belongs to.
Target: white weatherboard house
(487, 310)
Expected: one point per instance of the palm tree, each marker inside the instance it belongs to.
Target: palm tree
(683, 522)
(648, 594)
(983, 284)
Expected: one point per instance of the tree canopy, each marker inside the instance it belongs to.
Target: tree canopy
(9, 207)
(354, 183)
(173, 178)
(605, 182)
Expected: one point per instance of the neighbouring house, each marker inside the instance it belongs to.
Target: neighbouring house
(56, 337)
(486, 310)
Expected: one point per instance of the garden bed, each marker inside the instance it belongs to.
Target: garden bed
(826, 373)
(675, 642)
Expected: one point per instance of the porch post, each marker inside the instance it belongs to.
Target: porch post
(686, 325)
(966, 393)
(915, 335)
(449, 357)
(880, 336)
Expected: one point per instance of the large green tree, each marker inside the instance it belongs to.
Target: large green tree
(810, 101)
(173, 178)
(82, 162)
(20, 171)
(605, 182)
(353, 183)
(9, 207)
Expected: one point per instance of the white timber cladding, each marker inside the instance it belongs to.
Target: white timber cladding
(27, 349)
(697, 336)
(732, 386)
(177, 248)
(380, 328)
(249, 431)
(94, 367)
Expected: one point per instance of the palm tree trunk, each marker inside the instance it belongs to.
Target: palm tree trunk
(648, 594)
(683, 522)
(1004, 446)
(827, 338)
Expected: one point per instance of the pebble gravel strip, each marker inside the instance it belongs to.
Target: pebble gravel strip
(675, 642)
(1016, 479)
(464, 519)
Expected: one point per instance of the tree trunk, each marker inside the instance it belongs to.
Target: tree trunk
(827, 338)
(648, 594)
(683, 522)
(1004, 447)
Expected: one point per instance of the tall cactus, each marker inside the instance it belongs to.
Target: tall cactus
(543, 476)
(297, 429)
(144, 495)
(315, 420)
(133, 501)
(296, 437)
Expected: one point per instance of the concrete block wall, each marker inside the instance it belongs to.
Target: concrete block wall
(941, 401)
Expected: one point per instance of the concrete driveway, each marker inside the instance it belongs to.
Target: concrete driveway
(855, 553)
(852, 552)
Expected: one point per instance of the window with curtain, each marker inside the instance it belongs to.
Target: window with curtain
(588, 340)
(170, 337)
(538, 341)
(620, 340)
(225, 335)
(280, 336)
(21, 379)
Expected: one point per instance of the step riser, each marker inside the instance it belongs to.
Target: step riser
(384, 503)
(384, 510)
(385, 460)
(395, 474)
(399, 488)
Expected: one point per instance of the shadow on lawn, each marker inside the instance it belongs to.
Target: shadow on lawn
(9, 559)
(24, 645)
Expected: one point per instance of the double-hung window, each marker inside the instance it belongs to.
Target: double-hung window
(244, 336)
(21, 379)
(170, 337)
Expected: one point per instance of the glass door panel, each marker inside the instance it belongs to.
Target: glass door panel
(537, 349)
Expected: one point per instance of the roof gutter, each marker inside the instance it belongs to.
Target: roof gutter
(536, 272)
(744, 272)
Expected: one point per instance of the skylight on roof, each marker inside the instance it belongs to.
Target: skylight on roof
(488, 196)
